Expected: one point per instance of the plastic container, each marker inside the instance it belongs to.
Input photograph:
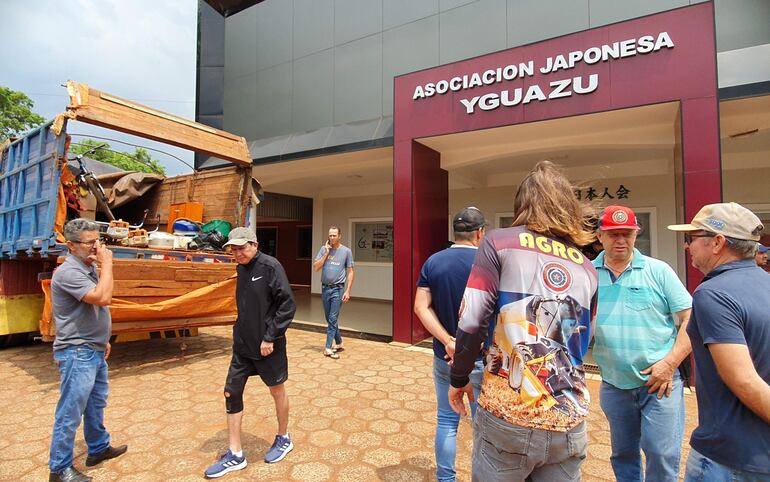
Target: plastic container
(219, 225)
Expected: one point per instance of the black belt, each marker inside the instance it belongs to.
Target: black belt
(333, 286)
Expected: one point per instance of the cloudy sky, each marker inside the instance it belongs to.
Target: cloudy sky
(141, 50)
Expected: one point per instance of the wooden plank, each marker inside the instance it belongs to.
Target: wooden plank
(179, 291)
(102, 109)
(171, 324)
(146, 300)
(157, 284)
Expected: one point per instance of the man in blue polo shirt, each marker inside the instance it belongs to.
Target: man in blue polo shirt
(638, 350)
(730, 334)
(437, 304)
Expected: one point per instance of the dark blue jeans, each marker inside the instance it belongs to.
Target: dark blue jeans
(332, 299)
(83, 395)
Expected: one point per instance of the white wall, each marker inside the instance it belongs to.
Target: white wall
(371, 281)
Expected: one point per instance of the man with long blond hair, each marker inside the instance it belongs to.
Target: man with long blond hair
(530, 422)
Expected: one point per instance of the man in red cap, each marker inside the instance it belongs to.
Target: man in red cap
(638, 349)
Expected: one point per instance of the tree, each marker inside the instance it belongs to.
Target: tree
(16, 116)
(140, 160)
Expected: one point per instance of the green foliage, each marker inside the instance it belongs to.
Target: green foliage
(140, 160)
(16, 116)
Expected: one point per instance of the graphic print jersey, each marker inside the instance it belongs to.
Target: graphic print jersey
(541, 294)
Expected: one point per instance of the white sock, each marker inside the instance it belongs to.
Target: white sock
(286, 435)
(238, 454)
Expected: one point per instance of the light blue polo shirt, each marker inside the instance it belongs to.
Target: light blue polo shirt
(635, 319)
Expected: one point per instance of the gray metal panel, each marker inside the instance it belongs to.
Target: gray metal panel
(534, 20)
(358, 80)
(241, 43)
(240, 105)
(355, 19)
(353, 132)
(211, 28)
(471, 30)
(272, 115)
(215, 121)
(742, 24)
(411, 47)
(400, 12)
(274, 33)
(313, 26)
(211, 90)
(313, 91)
(274, 146)
(307, 141)
(385, 129)
(604, 12)
(450, 4)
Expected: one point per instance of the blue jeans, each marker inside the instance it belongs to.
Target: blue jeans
(447, 419)
(639, 420)
(702, 469)
(332, 299)
(83, 394)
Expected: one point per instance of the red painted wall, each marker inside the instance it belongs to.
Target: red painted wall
(685, 73)
(297, 270)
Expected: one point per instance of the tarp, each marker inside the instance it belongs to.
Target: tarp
(124, 187)
(214, 300)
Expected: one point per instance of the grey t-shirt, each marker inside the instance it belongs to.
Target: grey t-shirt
(77, 322)
(334, 269)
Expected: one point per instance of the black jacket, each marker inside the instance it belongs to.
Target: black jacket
(265, 305)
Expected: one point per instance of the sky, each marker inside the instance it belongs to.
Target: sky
(140, 50)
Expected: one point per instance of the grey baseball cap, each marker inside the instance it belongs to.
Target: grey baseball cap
(241, 236)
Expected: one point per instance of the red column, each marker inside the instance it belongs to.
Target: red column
(702, 165)
(420, 223)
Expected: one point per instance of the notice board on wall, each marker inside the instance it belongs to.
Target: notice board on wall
(373, 241)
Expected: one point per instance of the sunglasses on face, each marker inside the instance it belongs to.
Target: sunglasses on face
(689, 238)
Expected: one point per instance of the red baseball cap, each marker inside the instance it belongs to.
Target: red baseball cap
(618, 217)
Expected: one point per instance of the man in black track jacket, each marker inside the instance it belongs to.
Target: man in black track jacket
(265, 309)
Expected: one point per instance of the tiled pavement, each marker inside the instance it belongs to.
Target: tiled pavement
(368, 416)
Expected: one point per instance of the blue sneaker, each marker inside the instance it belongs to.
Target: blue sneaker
(281, 447)
(228, 463)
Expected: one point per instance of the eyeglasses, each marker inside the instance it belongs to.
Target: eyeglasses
(90, 244)
(688, 238)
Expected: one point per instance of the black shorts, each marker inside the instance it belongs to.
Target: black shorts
(273, 370)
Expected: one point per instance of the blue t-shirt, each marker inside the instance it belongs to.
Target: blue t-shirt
(445, 274)
(334, 271)
(731, 305)
(635, 318)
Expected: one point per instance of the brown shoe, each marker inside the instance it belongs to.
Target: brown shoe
(331, 354)
(109, 453)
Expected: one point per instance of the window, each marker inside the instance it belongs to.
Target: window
(267, 240)
(646, 240)
(372, 240)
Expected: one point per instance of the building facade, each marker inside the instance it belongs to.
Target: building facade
(389, 115)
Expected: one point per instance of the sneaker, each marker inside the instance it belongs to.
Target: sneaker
(227, 463)
(331, 354)
(281, 447)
